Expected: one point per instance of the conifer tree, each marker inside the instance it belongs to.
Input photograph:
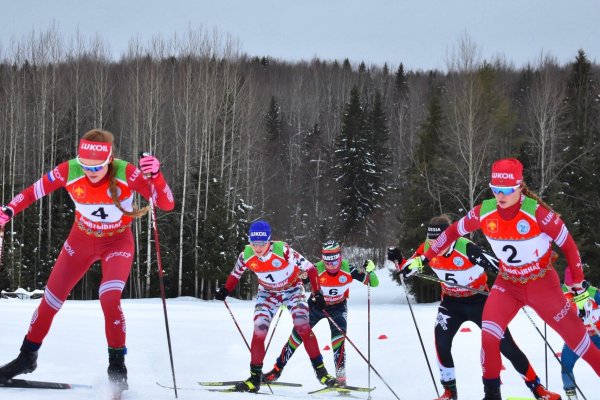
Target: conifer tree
(354, 169)
(273, 122)
(378, 131)
(400, 83)
(276, 166)
(580, 178)
(400, 121)
(221, 238)
(419, 202)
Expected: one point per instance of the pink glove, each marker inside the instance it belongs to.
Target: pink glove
(574, 287)
(5, 215)
(150, 165)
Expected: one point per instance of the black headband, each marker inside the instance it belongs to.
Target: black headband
(434, 231)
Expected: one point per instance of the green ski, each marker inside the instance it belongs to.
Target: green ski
(232, 383)
(342, 389)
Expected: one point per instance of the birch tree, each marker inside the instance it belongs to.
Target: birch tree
(470, 128)
(546, 103)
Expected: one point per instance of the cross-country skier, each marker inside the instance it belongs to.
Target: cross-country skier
(588, 310)
(102, 188)
(335, 277)
(520, 228)
(464, 263)
(278, 268)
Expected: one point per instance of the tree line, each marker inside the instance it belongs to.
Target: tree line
(364, 154)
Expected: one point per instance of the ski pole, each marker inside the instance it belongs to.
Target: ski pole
(1, 243)
(274, 327)
(242, 334)
(236, 324)
(432, 278)
(419, 334)
(553, 352)
(358, 351)
(161, 281)
(369, 336)
(546, 352)
(435, 279)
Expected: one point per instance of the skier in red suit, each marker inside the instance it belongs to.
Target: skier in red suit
(520, 228)
(278, 268)
(102, 188)
(464, 263)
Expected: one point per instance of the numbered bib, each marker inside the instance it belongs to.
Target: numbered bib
(520, 252)
(462, 277)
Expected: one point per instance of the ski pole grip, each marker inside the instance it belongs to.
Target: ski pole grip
(145, 154)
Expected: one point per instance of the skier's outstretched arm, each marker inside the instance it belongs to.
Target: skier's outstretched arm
(482, 258)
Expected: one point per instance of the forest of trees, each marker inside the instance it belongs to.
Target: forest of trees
(365, 154)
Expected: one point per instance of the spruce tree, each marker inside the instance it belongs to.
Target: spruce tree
(221, 238)
(275, 152)
(354, 169)
(419, 206)
(578, 202)
(273, 122)
(378, 131)
(401, 89)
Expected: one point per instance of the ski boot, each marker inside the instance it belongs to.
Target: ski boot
(25, 362)
(273, 374)
(322, 375)
(117, 371)
(252, 384)
(540, 392)
(450, 392)
(491, 388)
(571, 394)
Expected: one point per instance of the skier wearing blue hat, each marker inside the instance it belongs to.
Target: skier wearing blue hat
(278, 268)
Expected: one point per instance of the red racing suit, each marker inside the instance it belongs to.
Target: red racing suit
(278, 272)
(521, 237)
(101, 232)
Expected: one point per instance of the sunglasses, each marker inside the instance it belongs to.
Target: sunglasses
(331, 260)
(505, 190)
(259, 243)
(93, 168)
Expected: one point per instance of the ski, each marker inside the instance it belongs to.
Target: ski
(342, 389)
(232, 383)
(28, 384)
(210, 389)
(232, 390)
(178, 387)
(520, 398)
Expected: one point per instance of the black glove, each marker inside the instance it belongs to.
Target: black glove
(394, 254)
(319, 300)
(221, 294)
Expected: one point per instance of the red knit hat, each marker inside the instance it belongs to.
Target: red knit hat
(507, 172)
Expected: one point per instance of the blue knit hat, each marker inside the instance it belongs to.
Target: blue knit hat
(260, 231)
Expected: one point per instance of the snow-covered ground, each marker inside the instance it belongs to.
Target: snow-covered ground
(207, 346)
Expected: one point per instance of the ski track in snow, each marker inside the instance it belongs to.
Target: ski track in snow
(208, 347)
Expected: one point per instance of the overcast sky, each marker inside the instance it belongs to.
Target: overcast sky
(418, 33)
